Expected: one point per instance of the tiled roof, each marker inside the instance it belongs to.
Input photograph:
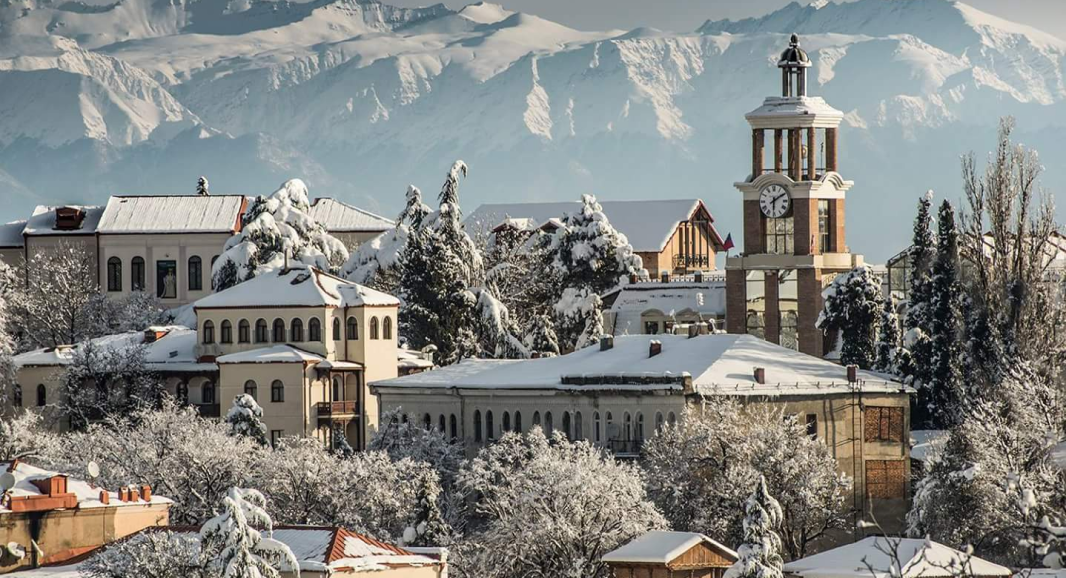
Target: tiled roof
(173, 214)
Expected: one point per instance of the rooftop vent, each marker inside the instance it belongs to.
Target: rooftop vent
(606, 342)
(853, 374)
(655, 347)
(760, 375)
(69, 218)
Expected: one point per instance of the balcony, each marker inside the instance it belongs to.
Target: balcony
(685, 262)
(337, 410)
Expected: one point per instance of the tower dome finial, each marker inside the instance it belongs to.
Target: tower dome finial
(793, 64)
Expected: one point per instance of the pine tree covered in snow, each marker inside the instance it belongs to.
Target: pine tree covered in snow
(540, 336)
(917, 321)
(760, 553)
(939, 396)
(853, 306)
(232, 543)
(245, 418)
(428, 527)
(890, 351)
(377, 263)
(578, 320)
(150, 554)
(202, 186)
(274, 228)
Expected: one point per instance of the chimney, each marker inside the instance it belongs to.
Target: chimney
(633, 279)
(154, 333)
(606, 342)
(665, 277)
(123, 494)
(534, 355)
(655, 347)
(853, 374)
(135, 495)
(698, 276)
(105, 497)
(146, 492)
(760, 375)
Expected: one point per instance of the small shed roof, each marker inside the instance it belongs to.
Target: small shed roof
(919, 558)
(172, 214)
(661, 547)
(339, 217)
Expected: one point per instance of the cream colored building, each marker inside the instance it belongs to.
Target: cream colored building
(620, 393)
(51, 518)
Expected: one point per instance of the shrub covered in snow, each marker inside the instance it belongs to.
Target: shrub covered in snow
(245, 418)
(51, 309)
(233, 545)
(150, 554)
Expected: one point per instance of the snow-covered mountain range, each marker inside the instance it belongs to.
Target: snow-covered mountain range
(360, 98)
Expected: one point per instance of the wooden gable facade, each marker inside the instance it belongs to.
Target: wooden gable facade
(700, 561)
(691, 247)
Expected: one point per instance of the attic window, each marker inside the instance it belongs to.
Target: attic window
(69, 218)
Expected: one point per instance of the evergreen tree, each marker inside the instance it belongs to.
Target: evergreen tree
(939, 396)
(246, 419)
(760, 554)
(377, 263)
(591, 254)
(540, 336)
(889, 340)
(429, 528)
(232, 543)
(7, 353)
(202, 187)
(853, 306)
(917, 320)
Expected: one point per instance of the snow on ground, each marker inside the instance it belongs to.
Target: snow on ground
(919, 559)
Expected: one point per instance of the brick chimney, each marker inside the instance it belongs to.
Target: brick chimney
(146, 493)
(760, 375)
(105, 497)
(853, 374)
(665, 277)
(655, 347)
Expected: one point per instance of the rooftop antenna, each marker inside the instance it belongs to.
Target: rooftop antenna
(93, 470)
(16, 550)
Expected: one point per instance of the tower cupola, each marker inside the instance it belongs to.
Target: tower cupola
(794, 63)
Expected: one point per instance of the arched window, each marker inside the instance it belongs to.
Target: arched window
(386, 328)
(196, 274)
(314, 330)
(338, 393)
(549, 427)
(454, 423)
(566, 426)
(279, 331)
(183, 392)
(353, 328)
(671, 419)
(627, 421)
(243, 333)
(373, 328)
(658, 422)
(226, 333)
(114, 274)
(296, 334)
(277, 391)
(209, 332)
(505, 425)
(518, 421)
(261, 333)
(17, 396)
(536, 418)
(137, 274)
(441, 425)
(477, 426)
(490, 431)
(336, 329)
(427, 422)
(579, 432)
(596, 426)
(609, 435)
(207, 393)
(640, 427)
(250, 388)
(42, 395)
(213, 259)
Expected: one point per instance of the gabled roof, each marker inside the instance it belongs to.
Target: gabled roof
(661, 547)
(647, 224)
(340, 217)
(172, 214)
(300, 286)
(919, 559)
(11, 235)
(718, 364)
(43, 221)
(632, 300)
(174, 351)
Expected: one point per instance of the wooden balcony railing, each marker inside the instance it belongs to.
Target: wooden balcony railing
(337, 409)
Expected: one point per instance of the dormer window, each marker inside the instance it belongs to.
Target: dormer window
(69, 218)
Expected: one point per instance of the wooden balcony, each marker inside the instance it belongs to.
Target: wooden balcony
(338, 410)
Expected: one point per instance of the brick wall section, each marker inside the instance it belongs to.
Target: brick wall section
(753, 224)
(801, 212)
(651, 262)
(735, 291)
(773, 313)
(810, 305)
(836, 220)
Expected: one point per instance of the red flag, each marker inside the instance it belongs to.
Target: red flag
(728, 242)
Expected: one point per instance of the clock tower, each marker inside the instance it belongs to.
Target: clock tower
(793, 215)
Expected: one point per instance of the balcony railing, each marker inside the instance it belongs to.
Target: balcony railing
(338, 409)
(682, 261)
(625, 447)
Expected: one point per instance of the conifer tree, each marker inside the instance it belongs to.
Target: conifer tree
(429, 528)
(853, 306)
(232, 543)
(246, 419)
(760, 554)
(377, 263)
(917, 319)
(890, 351)
(939, 395)
(202, 187)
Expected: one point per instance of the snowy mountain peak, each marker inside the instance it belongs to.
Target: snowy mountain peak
(485, 12)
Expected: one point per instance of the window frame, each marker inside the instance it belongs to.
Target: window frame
(889, 424)
(137, 274)
(886, 479)
(209, 333)
(225, 332)
(244, 331)
(277, 331)
(42, 395)
(114, 274)
(252, 388)
(314, 330)
(277, 391)
(374, 327)
(352, 328)
(196, 273)
(262, 331)
(296, 330)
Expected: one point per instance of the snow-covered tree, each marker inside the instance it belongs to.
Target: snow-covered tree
(108, 379)
(853, 305)
(149, 554)
(377, 263)
(940, 395)
(232, 543)
(578, 320)
(407, 438)
(134, 311)
(274, 229)
(917, 320)
(428, 527)
(245, 418)
(540, 336)
(590, 253)
(22, 437)
(549, 508)
(699, 473)
(7, 349)
(202, 187)
(760, 553)
(50, 309)
(890, 351)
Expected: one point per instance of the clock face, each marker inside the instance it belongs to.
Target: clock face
(775, 201)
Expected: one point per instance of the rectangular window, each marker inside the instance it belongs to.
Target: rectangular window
(755, 304)
(883, 424)
(779, 236)
(166, 279)
(275, 436)
(788, 308)
(824, 237)
(812, 425)
(886, 479)
(196, 274)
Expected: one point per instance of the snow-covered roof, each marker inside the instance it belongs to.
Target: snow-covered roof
(336, 549)
(633, 300)
(174, 351)
(647, 224)
(340, 217)
(298, 286)
(172, 214)
(919, 558)
(408, 359)
(274, 354)
(789, 106)
(661, 547)
(924, 441)
(718, 364)
(11, 234)
(43, 221)
(87, 494)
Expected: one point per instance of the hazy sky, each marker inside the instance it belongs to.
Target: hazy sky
(687, 15)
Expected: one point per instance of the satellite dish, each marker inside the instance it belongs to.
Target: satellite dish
(7, 481)
(16, 550)
(94, 470)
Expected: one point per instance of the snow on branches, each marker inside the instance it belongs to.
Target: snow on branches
(852, 306)
(232, 543)
(245, 418)
(760, 553)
